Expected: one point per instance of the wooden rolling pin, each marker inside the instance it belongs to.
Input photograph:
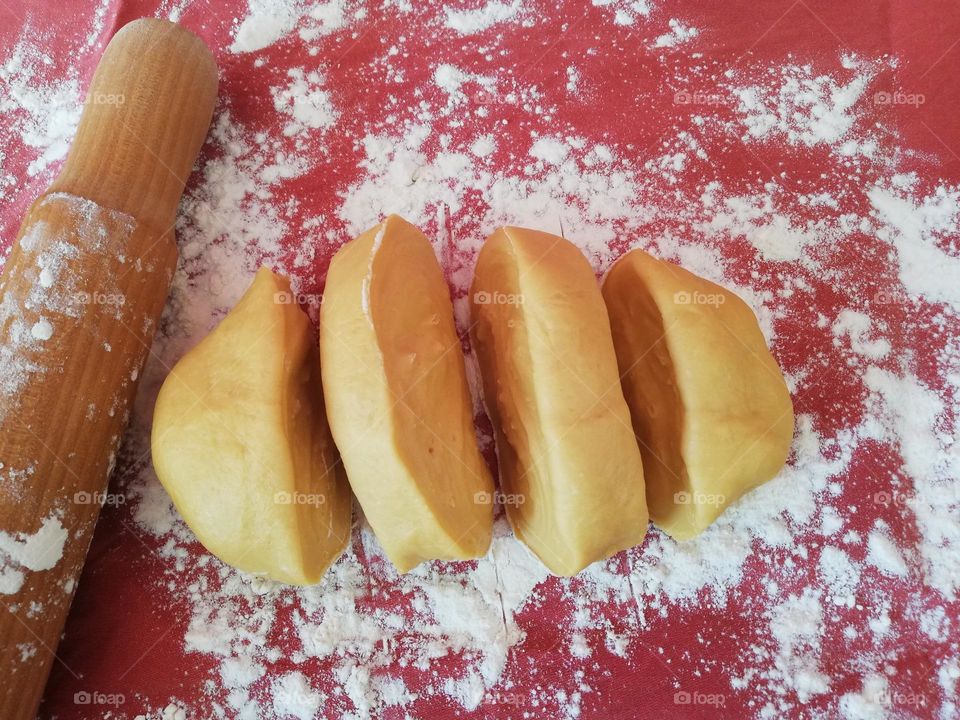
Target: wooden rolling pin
(80, 296)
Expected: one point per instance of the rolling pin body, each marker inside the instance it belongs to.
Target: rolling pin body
(80, 296)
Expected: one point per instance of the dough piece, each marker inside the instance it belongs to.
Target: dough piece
(709, 404)
(241, 442)
(570, 467)
(398, 401)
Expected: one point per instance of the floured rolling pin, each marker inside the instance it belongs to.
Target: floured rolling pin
(80, 296)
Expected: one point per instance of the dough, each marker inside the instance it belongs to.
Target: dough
(241, 443)
(397, 398)
(570, 468)
(709, 404)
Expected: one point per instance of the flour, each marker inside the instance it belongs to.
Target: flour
(679, 33)
(470, 22)
(550, 150)
(912, 412)
(625, 12)
(42, 330)
(24, 552)
(948, 675)
(757, 218)
(449, 78)
(171, 711)
(855, 325)
(913, 226)
(868, 704)
(587, 191)
(95, 36)
(306, 102)
(268, 21)
(883, 553)
(483, 146)
(38, 114)
(841, 575)
(805, 108)
(786, 557)
(13, 480)
(53, 290)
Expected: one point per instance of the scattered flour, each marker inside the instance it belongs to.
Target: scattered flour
(591, 194)
(802, 107)
(40, 115)
(868, 704)
(550, 150)
(884, 554)
(784, 557)
(625, 12)
(293, 696)
(679, 33)
(42, 330)
(268, 21)
(470, 22)
(483, 146)
(306, 102)
(856, 325)
(23, 552)
(913, 226)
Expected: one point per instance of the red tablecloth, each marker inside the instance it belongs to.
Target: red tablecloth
(127, 626)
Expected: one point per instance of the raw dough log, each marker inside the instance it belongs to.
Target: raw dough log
(241, 442)
(569, 464)
(398, 401)
(709, 404)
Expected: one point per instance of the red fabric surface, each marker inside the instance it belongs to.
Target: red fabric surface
(125, 632)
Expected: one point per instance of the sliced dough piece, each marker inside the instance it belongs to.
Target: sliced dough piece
(709, 404)
(240, 441)
(569, 463)
(397, 398)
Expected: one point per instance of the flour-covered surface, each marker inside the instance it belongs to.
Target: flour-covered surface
(803, 153)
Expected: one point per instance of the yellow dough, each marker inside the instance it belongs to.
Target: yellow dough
(241, 442)
(398, 400)
(709, 404)
(570, 467)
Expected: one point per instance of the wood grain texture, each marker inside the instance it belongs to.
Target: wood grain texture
(80, 296)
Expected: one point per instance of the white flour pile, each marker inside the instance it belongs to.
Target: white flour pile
(812, 587)
(37, 552)
(40, 113)
(470, 21)
(270, 20)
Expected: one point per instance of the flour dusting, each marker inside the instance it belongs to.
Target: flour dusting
(835, 569)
